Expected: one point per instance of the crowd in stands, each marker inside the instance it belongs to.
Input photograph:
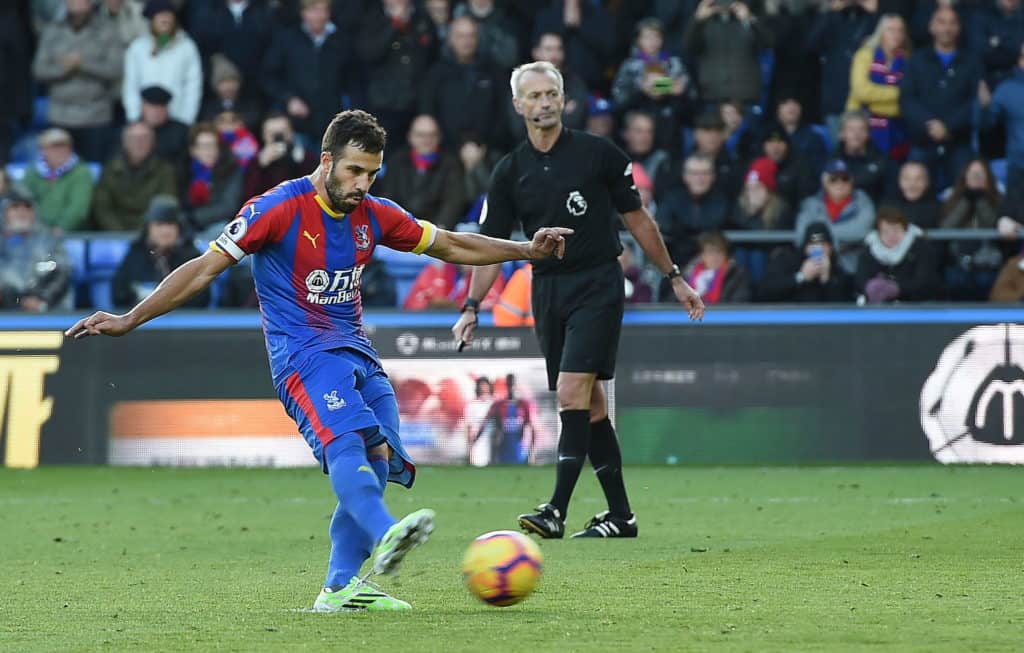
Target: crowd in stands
(859, 137)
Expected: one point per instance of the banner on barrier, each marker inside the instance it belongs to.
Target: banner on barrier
(717, 394)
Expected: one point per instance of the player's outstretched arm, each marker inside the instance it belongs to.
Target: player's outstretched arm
(645, 230)
(177, 288)
(475, 249)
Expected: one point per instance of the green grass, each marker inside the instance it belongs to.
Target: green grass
(913, 558)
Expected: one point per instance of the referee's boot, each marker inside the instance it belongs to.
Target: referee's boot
(605, 524)
(546, 522)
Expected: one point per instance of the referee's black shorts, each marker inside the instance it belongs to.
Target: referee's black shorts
(577, 318)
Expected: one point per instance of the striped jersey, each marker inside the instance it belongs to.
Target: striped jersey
(308, 261)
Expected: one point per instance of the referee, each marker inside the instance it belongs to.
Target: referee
(567, 178)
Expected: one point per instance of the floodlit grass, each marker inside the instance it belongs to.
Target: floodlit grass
(909, 558)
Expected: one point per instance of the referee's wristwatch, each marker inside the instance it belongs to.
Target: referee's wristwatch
(471, 305)
(673, 273)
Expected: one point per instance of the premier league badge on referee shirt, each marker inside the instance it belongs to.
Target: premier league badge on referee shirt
(576, 204)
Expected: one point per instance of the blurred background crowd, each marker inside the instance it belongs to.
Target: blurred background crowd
(843, 151)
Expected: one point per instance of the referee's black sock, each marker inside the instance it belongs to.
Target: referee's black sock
(573, 444)
(606, 457)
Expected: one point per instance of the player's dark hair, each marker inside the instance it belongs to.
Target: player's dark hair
(357, 128)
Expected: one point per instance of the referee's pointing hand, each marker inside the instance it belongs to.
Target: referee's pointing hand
(547, 241)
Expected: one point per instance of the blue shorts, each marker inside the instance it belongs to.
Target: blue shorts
(331, 393)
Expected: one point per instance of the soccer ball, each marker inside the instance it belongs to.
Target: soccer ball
(502, 567)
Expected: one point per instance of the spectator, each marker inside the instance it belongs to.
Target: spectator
(795, 71)
(936, 99)
(638, 139)
(240, 288)
(875, 79)
(898, 263)
(15, 77)
(305, 71)
(478, 162)
(171, 135)
(975, 200)
(726, 42)
(835, 36)
(588, 34)
(793, 176)
(463, 91)
(160, 247)
(810, 274)
(396, 44)
(759, 206)
(804, 140)
(229, 94)
(915, 199)
(79, 58)
(716, 277)
(696, 207)
(60, 183)
(6, 185)
(210, 183)
(1006, 105)
(1009, 285)
(848, 212)
(236, 137)
(238, 29)
(709, 141)
(165, 57)
(130, 180)
(34, 271)
(499, 38)
(446, 285)
(1011, 221)
(126, 18)
(600, 117)
(996, 34)
(739, 132)
(638, 291)
(423, 178)
(973, 204)
(377, 287)
(514, 307)
(281, 157)
(549, 47)
(867, 165)
(654, 81)
(440, 14)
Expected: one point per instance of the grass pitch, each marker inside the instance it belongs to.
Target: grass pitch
(915, 558)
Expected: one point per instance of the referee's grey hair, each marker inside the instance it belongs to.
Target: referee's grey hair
(536, 67)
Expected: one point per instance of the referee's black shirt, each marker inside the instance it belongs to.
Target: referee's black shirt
(583, 183)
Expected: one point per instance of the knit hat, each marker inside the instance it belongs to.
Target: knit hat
(154, 7)
(222, 68)
(763, 170)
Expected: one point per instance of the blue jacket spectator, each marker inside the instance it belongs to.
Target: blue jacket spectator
(996, 35)
(937, 100)
(1007, 105)
(848, 213)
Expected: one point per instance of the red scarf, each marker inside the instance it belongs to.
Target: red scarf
(708, 283)
(836, 208)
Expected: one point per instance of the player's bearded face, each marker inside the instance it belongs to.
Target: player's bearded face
(344, 200)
